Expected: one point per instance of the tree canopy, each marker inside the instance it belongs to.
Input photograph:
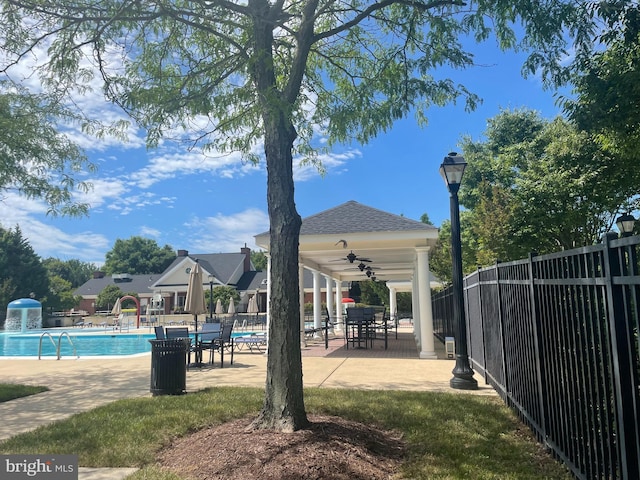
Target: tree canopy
(36, 159)
(606, 99)
(538, 185)
(138, 255)
(74, 271)
(606, 96)
(223, 293)
(264, 76)
(259, 260)
(22, 274)
(60, 296)
(110, 294)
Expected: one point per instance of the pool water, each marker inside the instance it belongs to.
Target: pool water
(15, 344)
(87, 345)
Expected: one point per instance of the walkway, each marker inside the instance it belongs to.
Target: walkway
(79, 385)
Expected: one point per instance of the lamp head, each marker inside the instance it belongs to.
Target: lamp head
(452, 170)
(625, 224)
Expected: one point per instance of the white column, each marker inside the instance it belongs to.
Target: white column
(427, 348)
(339, 319)
(268, 307)
(329, 298)
(303, 340)
(317, 299)
(393, 304)
(415, 307)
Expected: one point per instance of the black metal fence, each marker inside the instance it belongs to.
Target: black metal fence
(557, 337)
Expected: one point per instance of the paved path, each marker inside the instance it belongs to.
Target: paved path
(80, 384)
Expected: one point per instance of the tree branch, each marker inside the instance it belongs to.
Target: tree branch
(367, 12)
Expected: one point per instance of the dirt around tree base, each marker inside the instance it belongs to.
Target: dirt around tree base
(331, 448)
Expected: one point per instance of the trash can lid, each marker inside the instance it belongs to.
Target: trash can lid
(25, 303)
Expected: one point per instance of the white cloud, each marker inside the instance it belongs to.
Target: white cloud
(169, 164)
(330, 162)
(104, 191)
(150, 232)
(45, 239)
(226, 233)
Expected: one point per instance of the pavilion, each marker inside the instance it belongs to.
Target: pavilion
(333, 242)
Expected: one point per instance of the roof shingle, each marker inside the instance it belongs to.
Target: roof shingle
(354, 217)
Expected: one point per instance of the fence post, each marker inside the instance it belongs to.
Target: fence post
(484, 344)
(503, 342)
(620, 336)
(542, 388)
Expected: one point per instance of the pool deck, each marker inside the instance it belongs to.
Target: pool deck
(78, 385)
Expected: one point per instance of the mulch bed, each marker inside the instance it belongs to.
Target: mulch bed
(331, 448)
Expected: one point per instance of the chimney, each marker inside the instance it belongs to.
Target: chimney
(183, 253)
(98, 274)
(247, 257)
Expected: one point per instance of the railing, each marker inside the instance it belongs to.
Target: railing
(57, 345)
(557, 337)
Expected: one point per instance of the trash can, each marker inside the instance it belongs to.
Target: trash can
(169, 366)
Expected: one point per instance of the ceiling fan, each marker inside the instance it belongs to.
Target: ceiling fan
(364, 268)
(352, 257)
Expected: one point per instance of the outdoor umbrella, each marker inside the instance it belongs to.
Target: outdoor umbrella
(117, 308)
(194, 303)
(252, 308)
(219, 308)
(232, 306)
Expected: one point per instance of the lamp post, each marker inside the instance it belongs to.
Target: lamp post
(451, 170)
(211, 277)
(625, 224)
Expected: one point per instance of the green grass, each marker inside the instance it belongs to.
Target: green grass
(449, 436)
(10, 391)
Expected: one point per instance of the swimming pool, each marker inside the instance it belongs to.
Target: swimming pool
(13, 344)
(16, 344)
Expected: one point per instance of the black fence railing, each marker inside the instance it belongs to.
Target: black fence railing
(557, 337)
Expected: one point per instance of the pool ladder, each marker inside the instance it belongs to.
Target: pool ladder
(57, 346)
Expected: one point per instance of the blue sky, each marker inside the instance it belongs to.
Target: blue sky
(208, 205)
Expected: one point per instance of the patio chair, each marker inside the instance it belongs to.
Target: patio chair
(177, 332)
(210, 332)
(224, 342)
(355, 328)
(159, 331)
(172, 333)
(380, 328)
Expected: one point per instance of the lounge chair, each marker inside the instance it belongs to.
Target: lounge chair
(255, 340)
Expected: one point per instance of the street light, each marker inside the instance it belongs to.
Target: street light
(211, 277)
(451, 170)
(625, 224)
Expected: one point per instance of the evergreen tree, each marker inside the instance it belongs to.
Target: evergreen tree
(22, 274)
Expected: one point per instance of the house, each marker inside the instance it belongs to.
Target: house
(165, 293)
(218, 269)
(140, 284)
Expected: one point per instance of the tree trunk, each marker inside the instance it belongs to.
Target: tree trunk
(283, 407)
